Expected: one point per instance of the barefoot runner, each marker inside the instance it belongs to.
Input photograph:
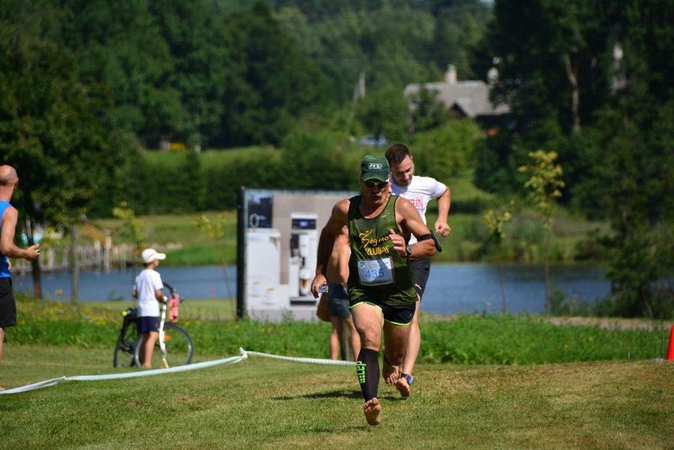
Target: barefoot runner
(381, 292)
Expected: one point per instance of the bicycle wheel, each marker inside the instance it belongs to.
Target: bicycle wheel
(179, 348)
(126, 346)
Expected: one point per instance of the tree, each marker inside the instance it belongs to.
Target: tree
(383, 113)
(591, 78)
(203, 69)
(495, 220)
(216, 233)
(427, 112)
(544, 185)
(548, 52)
(50, 127)
(119, 47)
(273, 83)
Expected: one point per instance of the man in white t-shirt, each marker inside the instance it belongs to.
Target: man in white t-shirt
(418, 190)
(147, 289)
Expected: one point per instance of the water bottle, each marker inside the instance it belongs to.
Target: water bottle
(323, 289)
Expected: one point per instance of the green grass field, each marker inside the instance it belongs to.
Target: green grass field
(492, 381)
(271, 404)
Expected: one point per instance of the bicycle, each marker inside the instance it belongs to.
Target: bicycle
(174, 346)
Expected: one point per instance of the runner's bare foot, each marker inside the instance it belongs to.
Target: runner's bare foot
(372, 411)
(389, 372)
(403, 387)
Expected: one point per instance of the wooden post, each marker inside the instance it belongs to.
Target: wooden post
(75, 264)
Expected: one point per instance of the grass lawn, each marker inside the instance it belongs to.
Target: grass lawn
(267, 403)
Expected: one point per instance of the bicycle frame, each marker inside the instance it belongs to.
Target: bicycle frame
(162, 321)
(162, 333)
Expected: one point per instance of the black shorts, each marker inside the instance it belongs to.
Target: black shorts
(147, 324)
(395, 314)
(421, 268)
(7, 303)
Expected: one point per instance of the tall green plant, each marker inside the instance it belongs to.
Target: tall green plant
(495, 221)
(544, 185)
(132, 226)
(216, 233)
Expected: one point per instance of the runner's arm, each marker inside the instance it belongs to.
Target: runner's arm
(444, 202)
(334, 226)
(7, 246)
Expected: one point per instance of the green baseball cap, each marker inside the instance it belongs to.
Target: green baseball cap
(374, 168)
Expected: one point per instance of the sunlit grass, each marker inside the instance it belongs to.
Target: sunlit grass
(270, 404)
(465, 339)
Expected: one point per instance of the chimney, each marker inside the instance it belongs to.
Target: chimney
(450, 75)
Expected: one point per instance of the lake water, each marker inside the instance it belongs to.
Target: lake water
(452, 288)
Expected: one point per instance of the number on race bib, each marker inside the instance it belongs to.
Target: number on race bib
(375, 271)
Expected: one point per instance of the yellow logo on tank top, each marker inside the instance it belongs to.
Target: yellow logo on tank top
(373, 245)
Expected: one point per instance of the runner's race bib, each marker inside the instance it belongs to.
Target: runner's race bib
(375, 271)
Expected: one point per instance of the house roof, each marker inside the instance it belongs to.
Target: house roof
(471, 97)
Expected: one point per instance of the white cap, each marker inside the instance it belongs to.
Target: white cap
(150, 254)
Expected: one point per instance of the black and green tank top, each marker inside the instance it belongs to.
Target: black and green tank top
(375, 269)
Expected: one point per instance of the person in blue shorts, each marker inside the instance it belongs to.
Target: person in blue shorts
(147, 289)
(338, 299)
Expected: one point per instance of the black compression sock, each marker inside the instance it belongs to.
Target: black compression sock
(367, 369)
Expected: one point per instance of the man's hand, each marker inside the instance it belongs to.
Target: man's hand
(318, 281)
(442, 228)
(399, 244)
(32, 252)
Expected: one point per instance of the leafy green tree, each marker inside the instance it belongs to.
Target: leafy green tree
(495, 221)
(427, 112)
(50, 127)
(202, 68)
(459, 28)
(544, 185)
(216, 234)
(119, 46)
(276, 83)
(589, 78)
(383, 113)
(548, 52)
(447, 151)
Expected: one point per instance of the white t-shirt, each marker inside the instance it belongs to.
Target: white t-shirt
(420, 191)
(147, 283)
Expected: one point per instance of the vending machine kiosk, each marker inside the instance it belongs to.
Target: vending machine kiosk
(277, 245)
(302, 264)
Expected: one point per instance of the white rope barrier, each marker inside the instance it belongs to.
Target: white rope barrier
(30, 387)
(144, 373)
(330, 362)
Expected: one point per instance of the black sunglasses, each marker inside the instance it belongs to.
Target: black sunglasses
(374, 184)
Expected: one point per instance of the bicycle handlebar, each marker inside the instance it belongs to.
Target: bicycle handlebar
(173, 291)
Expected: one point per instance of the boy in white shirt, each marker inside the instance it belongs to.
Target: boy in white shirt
(147, 289)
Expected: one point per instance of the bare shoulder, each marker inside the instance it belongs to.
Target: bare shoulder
(338, 218)
(10, 215)
(341, 210)
(405, 208)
